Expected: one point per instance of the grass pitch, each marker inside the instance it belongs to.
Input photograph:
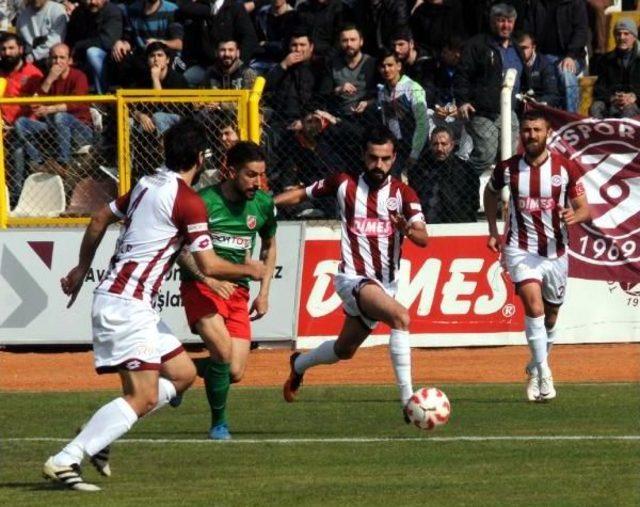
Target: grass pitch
(342, 446)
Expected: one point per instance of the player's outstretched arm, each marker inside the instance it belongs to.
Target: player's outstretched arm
(578, 213)
(260, 304)
(490, 199)
(291, 197)
(212, 265)
(93, 235)
(222, 288)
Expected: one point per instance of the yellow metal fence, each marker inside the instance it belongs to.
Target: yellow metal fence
(125, 142)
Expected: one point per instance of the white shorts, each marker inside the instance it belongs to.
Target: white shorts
(551, 274)
(348, 288)
(128, 334)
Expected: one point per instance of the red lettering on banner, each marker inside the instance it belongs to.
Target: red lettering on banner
(458, 288)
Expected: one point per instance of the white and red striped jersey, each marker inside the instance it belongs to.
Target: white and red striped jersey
(160, 214)
(537, 195)
(370, 245)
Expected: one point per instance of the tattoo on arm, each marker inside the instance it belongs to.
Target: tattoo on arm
(188, 263)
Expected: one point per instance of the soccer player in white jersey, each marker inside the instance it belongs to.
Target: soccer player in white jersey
(546, 196)
(160, 215)
(377, 212)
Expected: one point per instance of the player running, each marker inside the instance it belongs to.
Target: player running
(377, 212)
(160, 215)
(535, 245)
(218, 310)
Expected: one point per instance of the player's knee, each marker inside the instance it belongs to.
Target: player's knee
(345, 352)
(401, 320)
(144, 403)
(236, 376)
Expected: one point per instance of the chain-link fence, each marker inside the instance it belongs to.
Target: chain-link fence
(326, 140)
(57, 160)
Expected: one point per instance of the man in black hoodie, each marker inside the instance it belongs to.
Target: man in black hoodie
(322, 19)
(208, 23)
(478, 81)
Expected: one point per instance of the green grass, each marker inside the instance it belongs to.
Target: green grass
(396, 472)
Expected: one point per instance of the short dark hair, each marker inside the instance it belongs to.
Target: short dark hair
(298, 32)
(455, 43)
(534, 115)
(224, 40)
(379, 135)
(183, 143)
(387, 53)
(7, 36)
(243, 153)
(520, 36)
(402, 33)
(157, 46)
(351, 26)
(441, 130)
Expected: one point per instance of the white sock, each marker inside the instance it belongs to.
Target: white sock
(537, 339)
(551, 338)
(400, 352)
(166, 391)
(322, 354)
(108, 424)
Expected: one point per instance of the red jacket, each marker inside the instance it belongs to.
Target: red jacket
(23, 82)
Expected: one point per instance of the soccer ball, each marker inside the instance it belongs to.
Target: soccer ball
(428, 407)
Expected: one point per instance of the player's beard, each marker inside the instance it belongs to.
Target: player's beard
(376, 176)
(534, 149)
(197, 175)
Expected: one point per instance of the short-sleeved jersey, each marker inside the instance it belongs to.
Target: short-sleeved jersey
(537, 195)
(233, 225)
(160, 215)
(370, 245)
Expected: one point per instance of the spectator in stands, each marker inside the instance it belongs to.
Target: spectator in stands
(275, 23)
(415, 61)
(63, 123)
(159, 76)
(598, 23)
(210, 22)
(296, 84)
(403, 106)
(561, 30)
(379, 20)
(447, 186)
(93, 29)
(476, 14)
(544, 81)
(478, 81)
(441, 71)
(434, 21)
(618, 86)
(352, 74)
(215, 169)
(23, 78)
(41, 24)
(8, 11)
(228, 71)
(322, 19)
(146, 21)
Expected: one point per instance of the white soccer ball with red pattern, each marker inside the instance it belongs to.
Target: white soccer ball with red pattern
(428, 408)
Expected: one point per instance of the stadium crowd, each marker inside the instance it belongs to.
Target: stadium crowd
(430, 70)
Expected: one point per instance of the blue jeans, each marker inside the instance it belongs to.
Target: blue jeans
(96, 58)
(568, 83)
(164, 121)
(65, 128)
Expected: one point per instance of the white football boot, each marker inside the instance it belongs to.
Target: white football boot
(547, 389)
(69, 476)
(533, 384)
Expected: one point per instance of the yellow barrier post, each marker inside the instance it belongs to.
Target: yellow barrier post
(4, 204)
(254, 109)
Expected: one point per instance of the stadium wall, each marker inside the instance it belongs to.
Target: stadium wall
(454, 288)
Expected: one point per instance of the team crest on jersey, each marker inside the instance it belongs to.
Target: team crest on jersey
(556, 180)
(392, 204)
(252, 221)
(608, 151)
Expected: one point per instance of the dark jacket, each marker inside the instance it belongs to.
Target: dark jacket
(275, 32)
(419, 70)
(101, 30)
(613, 76)
(203, 30)
(239, 77)
(544, 81)
(323, 22)
(571, 26)
(433, 24)
(448, 190)
(439, 83)
(294, 92)
(479, 76)
(379, 19)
